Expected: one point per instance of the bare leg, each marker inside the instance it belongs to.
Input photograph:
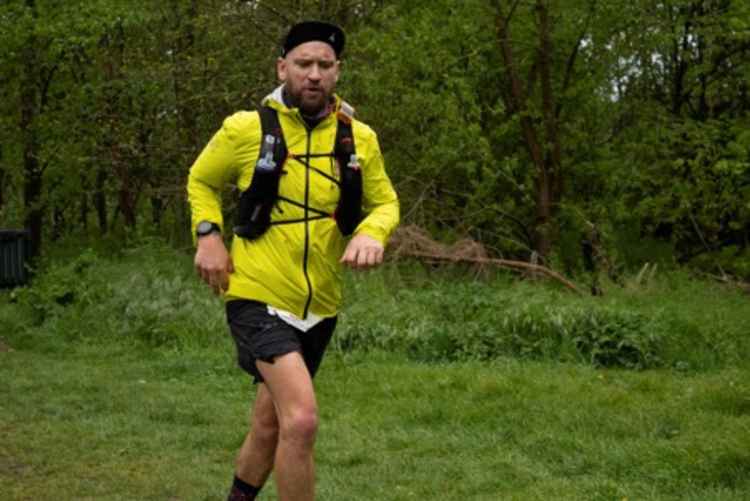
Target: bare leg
(255, 459)
(289, 383)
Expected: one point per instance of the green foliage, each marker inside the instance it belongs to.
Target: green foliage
(149, 295)
(650, 99)
(60, 286)
(672, 322)
(705, 209)
(733, 259)
(155, 424)
(616, 339)
(482, 323)
(127, 96)
(430, 116)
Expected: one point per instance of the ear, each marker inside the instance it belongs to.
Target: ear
(338, 70)
(281, 69)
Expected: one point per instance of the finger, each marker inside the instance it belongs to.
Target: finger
(230, 265)
(214, 277)
(205, 275)
(379, 256)
(214, 274)
(372, 257)
(362, 258)
(215, 283)
(350, 255)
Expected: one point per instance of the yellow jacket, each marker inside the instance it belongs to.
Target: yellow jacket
(294, 267)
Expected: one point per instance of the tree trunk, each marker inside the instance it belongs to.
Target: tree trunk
(84, 213)
(127, 202)
(186, 124)
(550, 187)
(58, 223)
(100, 201)
(157, 210)
(546, 159)
(2, 180)
(679, 69)
(126, 191)
(32, 185)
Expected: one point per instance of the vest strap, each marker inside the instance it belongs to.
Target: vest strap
(258, 200)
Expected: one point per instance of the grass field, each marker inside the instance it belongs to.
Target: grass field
(105, 396)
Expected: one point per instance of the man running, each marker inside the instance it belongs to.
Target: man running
(316, 197)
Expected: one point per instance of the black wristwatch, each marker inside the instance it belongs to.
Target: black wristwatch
(206, 228)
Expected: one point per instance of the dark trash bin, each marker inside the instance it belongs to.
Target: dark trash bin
(15, 252)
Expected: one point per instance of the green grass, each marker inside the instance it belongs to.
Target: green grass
(673, 321)
(117, 422)
(118, 381)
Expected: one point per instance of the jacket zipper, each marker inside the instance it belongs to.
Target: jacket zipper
(307, 225)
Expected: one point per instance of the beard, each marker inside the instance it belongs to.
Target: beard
(310, 100)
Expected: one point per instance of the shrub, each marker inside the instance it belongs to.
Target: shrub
(672, 320)
(150, 294)
(615, 339)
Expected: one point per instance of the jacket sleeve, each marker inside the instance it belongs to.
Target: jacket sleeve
(216, 166)
(380, 202)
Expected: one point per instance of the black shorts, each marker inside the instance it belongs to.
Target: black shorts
(259, 335)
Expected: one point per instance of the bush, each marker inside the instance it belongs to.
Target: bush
(616, 339)
(150, 295)
(602, 337)
(671, 321)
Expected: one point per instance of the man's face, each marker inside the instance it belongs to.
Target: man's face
(309, 72)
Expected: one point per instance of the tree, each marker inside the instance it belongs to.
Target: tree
(686, 94)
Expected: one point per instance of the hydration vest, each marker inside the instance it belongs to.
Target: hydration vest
(258, 200)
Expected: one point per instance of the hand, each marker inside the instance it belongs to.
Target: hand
(362, 252)
(213, 263)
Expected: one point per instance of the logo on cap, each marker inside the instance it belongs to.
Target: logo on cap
(332, 38)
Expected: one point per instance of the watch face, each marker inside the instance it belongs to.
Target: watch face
(204, 228)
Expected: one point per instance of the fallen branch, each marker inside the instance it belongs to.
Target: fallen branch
(412, 241)
(504, 263)
(728, 280)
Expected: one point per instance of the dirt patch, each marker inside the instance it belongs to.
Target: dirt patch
(4, 347)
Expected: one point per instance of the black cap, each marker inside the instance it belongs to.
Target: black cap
(314, 31)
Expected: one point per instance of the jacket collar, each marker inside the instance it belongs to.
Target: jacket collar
(275, 100)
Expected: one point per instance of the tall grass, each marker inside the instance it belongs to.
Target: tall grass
(673, 321)
(149, 294)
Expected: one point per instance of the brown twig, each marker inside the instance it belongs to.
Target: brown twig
(728, 280)
(504, 263)
(412, 241)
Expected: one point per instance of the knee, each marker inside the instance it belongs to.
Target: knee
(301, 427)
(266, 429)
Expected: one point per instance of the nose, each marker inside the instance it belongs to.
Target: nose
(314, 73)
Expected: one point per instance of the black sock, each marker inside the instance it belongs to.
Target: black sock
(240, 487)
